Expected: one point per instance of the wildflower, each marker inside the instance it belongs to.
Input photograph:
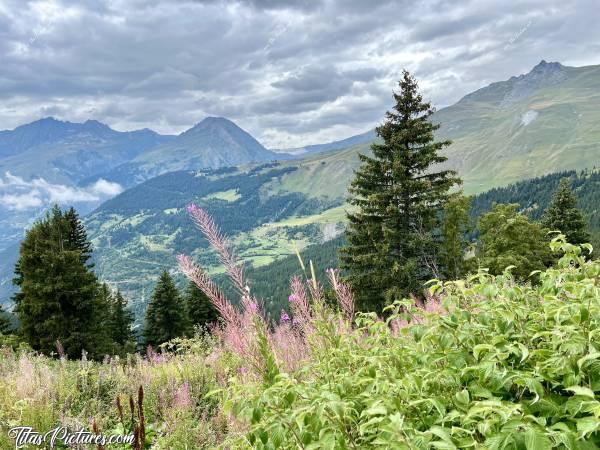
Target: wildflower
(284, 317)
(292, 298)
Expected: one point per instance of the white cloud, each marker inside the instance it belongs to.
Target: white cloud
(106, 188)
(21, 202)
(19, 194)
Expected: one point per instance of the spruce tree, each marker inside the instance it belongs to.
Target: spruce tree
(121, 321)
(398, 196)
(165, 317)
(200, 310)
(455, 227)
(563, 215)
(58, 298)
(78, 238)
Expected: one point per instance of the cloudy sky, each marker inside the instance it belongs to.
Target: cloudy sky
(291, 72)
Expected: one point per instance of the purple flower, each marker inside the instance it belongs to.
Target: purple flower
(191, 208)
(284, 317)
(292, 298)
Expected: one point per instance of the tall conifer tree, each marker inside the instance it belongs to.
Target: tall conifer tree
(200, 310)
(563, 215)
(398, 196)
(165, 317)
(121, 321)
(58, 298)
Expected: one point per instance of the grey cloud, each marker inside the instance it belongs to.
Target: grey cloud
(289, 71)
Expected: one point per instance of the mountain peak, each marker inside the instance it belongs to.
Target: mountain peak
(544, 66)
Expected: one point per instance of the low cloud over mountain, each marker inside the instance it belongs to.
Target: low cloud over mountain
(19, 194)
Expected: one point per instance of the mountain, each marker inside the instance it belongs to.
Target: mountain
(67, 152)
(214, 142)
(363, 138)
(527, 126)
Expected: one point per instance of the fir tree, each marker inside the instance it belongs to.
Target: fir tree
(200, 310)
(508, 238)
(58, 298)
(398, 197)
(563, 215)
(165, 317)
(455, 227)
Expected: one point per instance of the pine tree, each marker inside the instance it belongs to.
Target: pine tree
(563, 215)
(165, 317)
(455, 227)
(508, 238)
(200, 310)
(121, 321)
(398, 198)
(58, 298)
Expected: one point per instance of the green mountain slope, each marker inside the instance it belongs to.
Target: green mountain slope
(527, 126)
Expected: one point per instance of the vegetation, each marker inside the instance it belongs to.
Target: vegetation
(59, 305)
(497, 365)
(563, 215)
(165, 317)
(455, 230)
(200, 311)
(398, 194)
(508, 239)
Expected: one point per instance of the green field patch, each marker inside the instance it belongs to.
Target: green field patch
(230, 195)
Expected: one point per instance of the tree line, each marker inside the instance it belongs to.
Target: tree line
(63, 309)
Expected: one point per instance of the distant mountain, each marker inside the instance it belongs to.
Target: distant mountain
(67, 152)
(366, 137)
(214, 142)
(537, 123)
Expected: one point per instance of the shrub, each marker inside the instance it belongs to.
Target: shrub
(502, 365)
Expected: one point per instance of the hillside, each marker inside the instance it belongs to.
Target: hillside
(527, 126)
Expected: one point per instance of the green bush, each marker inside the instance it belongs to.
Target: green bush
(504, 365)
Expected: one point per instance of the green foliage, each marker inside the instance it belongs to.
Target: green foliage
(399, 198)
(508, 238)
(535, 195)
(59, 306)
(44, 393)
(504, 366)
(5, 325)
(564, 216)
(165, 316)
(120, 323)
(455, 229)
(200, 311)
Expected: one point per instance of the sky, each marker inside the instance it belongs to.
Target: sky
(290, 72)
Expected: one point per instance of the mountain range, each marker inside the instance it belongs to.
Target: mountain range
(540, 122)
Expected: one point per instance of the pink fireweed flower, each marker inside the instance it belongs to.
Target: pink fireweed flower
(292, 298)
(182, 398)
(284, 317)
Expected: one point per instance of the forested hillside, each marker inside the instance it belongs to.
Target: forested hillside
(271, 282)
